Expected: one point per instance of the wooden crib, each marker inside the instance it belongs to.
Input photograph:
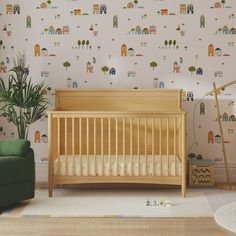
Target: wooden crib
(117, 136)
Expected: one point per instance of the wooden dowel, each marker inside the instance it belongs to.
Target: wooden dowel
(160, 144)
(109, 144)
(102, 150)
(153, 141)
(87, 146)
(183, 156)
(124, 145)
(175, 158)
(138, 141)
(66, 146)
(80, 144)
(145, 136)
(58, 146)
(73, 144)
(117, 150)
(95, 146)
(167, 145)
(131, 145)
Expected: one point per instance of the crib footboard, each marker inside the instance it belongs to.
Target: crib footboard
(116, 147)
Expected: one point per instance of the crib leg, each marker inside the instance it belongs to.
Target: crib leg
(183, 188)
(50, 188)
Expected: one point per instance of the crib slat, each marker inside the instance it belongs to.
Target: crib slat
(153, 141)
(109, 144)
(73, 145)
(146, 145)
(160, 144)
(138, 141)
(66, 147)
(80, 144)
(95, 146)
(102, 151)
(58, 147)
(87, 146)
(167, 145)
(175, 146)
(124, 145)
(117, 141)
(131, 145)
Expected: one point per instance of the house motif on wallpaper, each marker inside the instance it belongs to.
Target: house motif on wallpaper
(176, 67)
(45, 5)
(13, 9)
(75, 84)
(186, 9)
(127, 52)
(76, 12)
(232, 118)
(189, 96)
(40, 52)
(202, 21)
(210, 137)
(212, 51)
(226, 117)
(89, 67)
(28, 21)
(99, 9)
(44, 74)
(226, 30)
(131, 74)
(115, 21)
(3, 67)
(131, 5)
(199, 71)
(218, 4)
(51, 30)
(218, 74)
(112, 71)
(217, 138)
(37, 137)
(140, 31)
(163, 12)
(202, 108)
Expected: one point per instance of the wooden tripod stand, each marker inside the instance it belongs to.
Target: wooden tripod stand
(215, 91)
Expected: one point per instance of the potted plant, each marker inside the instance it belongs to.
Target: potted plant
(23, 102)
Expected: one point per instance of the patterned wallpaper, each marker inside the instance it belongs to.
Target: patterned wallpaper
(129, 44)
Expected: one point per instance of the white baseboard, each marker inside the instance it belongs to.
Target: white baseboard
(41, 172)
(219, 172)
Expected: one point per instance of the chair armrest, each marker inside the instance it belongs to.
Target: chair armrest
(19, 147)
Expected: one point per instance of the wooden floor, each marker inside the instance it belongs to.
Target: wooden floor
(110, 226)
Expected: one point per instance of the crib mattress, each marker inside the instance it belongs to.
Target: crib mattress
(127, 166)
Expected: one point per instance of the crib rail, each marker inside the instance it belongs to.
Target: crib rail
(112, 133)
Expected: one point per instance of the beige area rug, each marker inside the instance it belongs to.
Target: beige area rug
(114, 203)
(226, 217)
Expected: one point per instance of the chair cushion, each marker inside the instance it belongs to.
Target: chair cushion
(13, 169)
(18, 147)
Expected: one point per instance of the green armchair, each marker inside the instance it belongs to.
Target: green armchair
(17, 172)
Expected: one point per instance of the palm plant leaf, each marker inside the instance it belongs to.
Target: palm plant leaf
(23, 102)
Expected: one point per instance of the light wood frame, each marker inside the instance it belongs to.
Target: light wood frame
(117, 122)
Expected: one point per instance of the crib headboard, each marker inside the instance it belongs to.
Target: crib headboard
(118, 100)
